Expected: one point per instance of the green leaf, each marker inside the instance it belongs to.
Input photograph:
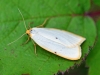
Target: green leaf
(93, 58)
(96, 2)
(66, 15)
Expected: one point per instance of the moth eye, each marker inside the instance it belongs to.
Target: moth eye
(31, 31)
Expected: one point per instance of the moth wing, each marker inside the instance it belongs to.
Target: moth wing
(57, 48)
(66, 38)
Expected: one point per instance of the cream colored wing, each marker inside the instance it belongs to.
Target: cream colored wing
(63, 37)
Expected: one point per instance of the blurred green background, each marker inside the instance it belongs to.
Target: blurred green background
(77, 16)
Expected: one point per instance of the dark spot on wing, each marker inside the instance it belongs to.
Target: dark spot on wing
(56, 38)
(55, 52)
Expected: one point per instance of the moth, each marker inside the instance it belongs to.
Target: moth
(62, 43)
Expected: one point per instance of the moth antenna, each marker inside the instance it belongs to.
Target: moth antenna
(22, 18)
(17, 39)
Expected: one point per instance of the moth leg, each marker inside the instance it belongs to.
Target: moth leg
(34, 47)
(42, 25)
(26, 41)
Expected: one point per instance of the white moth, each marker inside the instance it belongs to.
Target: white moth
(59, 42)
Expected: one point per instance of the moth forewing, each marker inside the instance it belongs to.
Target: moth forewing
(66, 38)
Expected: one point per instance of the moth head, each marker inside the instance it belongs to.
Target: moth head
(28, 32)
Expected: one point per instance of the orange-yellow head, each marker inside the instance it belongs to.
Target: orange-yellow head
(28, 32)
